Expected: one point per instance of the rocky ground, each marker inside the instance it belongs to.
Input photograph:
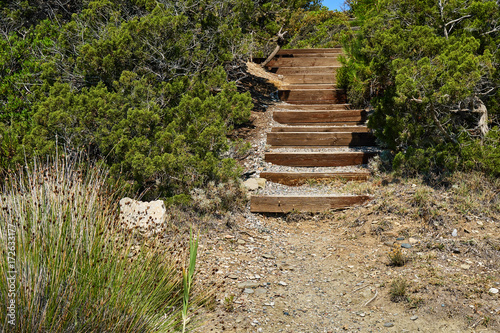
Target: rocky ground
(423, 256)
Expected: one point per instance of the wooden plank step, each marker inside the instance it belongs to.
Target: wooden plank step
(313, 55)
(314, 96)
(313, 86)
(325, 107)
(310, 78)
(304, 62)
(328, 70)
(321, 159)
(309, 51)
(304, 117)
(296, 129)
(330, 139)
(301, 203)
(299, 178)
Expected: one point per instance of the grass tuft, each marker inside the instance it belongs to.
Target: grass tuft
(77, 269)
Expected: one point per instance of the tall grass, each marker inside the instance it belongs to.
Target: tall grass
(77, 270)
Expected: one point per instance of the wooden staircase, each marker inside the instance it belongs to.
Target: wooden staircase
(314, 122)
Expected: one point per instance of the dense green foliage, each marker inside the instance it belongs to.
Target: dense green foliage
(430, 70)
(142, 85)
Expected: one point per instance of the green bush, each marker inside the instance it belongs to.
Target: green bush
(431, 76)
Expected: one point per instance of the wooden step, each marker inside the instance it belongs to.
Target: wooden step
(310, 78)
(315, 86)
(308, 51)
(296, 129)
(321, 159)
(299, 178)
(304, 62)
(307, 107)
(318, 117)
(328, 70)
(303, 203)
(328, 139)
(313, 96)
(312, 55)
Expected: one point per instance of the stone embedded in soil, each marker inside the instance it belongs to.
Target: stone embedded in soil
(414, 318)
(412, 240)
(260, 291)
(248, 284)
(388, 324)
(454, 233)
(268, 256)
(493, 291)
(232, 276)
(400, 238)
(406, 246)
(248, 291)
(241, 242)
(464, 266)
(282, 283)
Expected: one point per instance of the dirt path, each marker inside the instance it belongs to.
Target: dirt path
(316, 277)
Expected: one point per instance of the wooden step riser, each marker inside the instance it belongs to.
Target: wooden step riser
(314, 86)
(295, 129)
(298, 178)
(304, 70)
(317, 107)
(310, 79)
(313, 96)
(312, 55)
(309, 51)
(320, 139)
(318, 159)
(304, 62)
(286, 204)
(315, 117)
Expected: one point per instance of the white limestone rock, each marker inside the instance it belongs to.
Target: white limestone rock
(145, 215)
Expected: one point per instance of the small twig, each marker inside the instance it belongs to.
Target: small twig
(373, 298)
(366, 285)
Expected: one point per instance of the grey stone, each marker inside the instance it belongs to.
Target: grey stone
(260, 291)
(406, 245)
(400, 238)
(388, 324)
(232, 276)
(414, 318)
(248, 291)
(248, 284)
(454, 233)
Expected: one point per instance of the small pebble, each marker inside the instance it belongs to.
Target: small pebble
(400, 238)
(414, 318)
(494, 291)
(406, 245)
(248, 291)
(388, 324)
(454, 233)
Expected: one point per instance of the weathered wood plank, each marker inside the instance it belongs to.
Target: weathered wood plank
(292, 117)
(315, 86)
(309, 51)
(323, 159)
(310, 78)
(304, 62)
(308, 107)
(315, 204)
(329, 70)
(314, 96)
(299, 178)
(320, 139)
(296, 129)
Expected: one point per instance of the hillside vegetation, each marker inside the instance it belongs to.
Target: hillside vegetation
(430, 71)
(147, 87)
